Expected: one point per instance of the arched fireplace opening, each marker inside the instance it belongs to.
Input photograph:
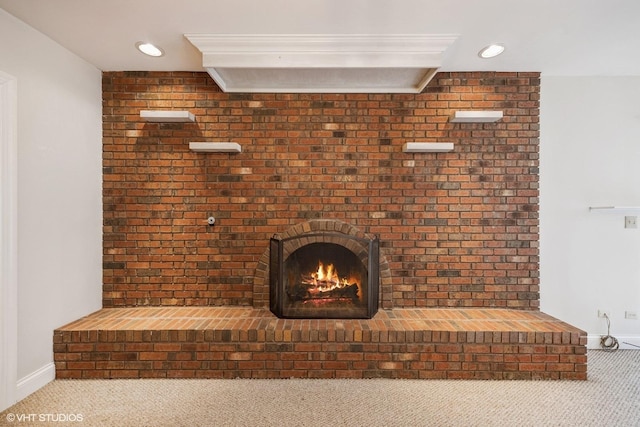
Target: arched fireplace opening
(324, 275)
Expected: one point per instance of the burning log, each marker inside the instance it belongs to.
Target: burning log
(305, 292)
(323, 284)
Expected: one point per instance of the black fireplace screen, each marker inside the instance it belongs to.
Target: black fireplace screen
(324, 275)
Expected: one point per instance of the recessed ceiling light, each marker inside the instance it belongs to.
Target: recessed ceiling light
(491, 51)
(149, 49)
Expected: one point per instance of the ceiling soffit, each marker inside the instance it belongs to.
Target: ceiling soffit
(322, 63)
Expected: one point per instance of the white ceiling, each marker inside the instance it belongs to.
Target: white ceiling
(554, 37)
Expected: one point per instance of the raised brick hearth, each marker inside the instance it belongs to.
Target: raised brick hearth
(237, 342)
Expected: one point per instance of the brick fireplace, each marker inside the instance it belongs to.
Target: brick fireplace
(458, 271)
(458, 229)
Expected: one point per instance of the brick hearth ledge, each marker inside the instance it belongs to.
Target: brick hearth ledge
(244, 342)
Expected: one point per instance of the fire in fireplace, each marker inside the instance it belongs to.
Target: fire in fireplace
(324, 275)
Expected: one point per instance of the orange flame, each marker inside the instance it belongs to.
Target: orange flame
(326, 278)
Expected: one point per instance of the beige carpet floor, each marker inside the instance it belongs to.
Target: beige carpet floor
(610, 397)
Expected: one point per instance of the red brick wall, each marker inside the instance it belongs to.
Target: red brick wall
(458, 229)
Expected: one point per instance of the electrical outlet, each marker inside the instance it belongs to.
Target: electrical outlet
(632, 315)
(604, 313)
(630, 222)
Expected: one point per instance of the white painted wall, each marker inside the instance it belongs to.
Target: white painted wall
(59, 192)
(8, 240)
(590, 156)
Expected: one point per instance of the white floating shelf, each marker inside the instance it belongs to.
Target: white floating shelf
(615, 209)
(476, 116)
(167, 116)
(427, 147)
(215, 147)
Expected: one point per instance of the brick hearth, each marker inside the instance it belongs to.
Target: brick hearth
(243, 342)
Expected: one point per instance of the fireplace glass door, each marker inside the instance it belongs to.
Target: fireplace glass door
(324, 275)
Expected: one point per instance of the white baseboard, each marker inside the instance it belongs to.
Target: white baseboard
(626, 342)
(35, 380)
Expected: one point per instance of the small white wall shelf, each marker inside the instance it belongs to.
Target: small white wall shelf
(167, 116)
(427, 147)
(476, 116)
(215, 147)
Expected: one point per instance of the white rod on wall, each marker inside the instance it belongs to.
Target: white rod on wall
(615, 209)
